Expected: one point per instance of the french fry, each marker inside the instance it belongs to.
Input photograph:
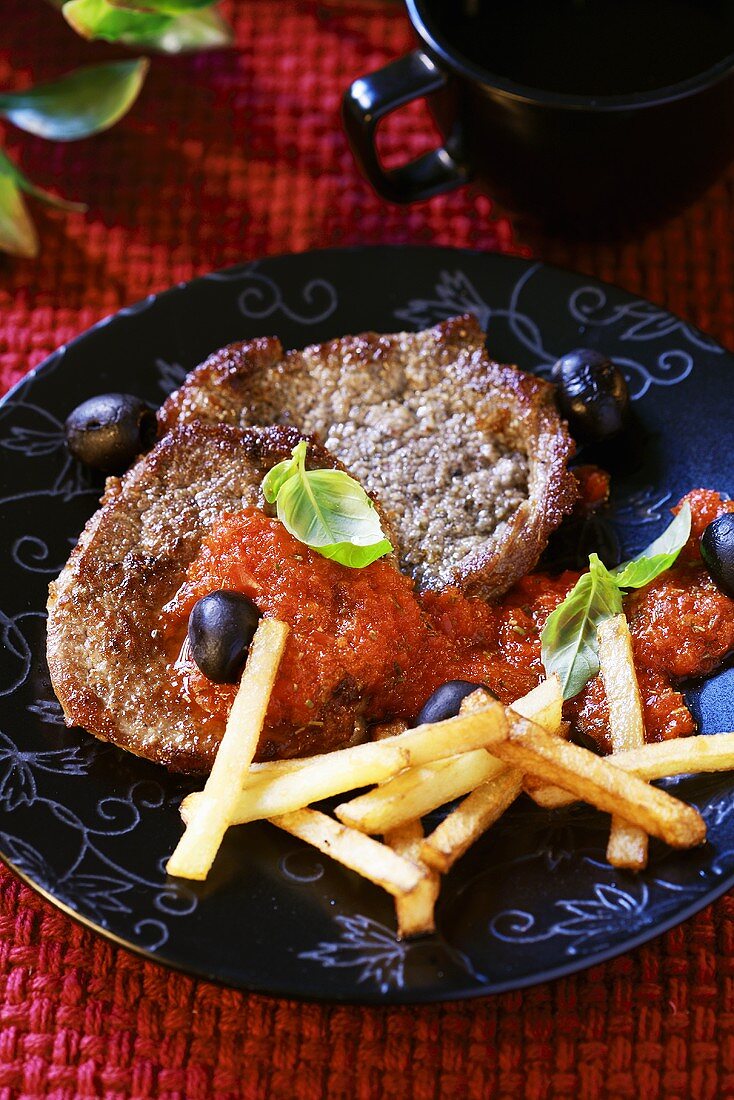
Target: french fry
(417, 791)
(704, 752)
(389, 729)
(346, 769)
(713, 752)
(546, 795)
(600, 782)
(464, 825)
(458, 831)
(544, 704)
(197, 848)
(627, 845)
(368, 857)
(414, 910)
(617, 667)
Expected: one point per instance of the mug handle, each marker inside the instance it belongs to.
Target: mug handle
(372, 97)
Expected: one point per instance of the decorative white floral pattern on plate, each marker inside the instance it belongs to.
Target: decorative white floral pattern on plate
(631, 321)
(113, 819)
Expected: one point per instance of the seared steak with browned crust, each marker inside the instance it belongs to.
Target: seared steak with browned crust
(467, 456)
(108, 662)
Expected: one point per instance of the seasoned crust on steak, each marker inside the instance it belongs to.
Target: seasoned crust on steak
(468, 456)
(106, 658)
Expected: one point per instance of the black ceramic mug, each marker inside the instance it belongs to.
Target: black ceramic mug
(589, 162)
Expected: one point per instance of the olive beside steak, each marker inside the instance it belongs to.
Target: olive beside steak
(220, 632)
(108, 431)
(592, 395)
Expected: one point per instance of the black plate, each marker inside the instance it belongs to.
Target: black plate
(90, 827)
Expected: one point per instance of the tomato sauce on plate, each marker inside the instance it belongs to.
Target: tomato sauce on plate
(365, 637)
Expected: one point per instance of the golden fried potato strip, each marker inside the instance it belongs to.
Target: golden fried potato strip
(627, 845)
(460, 829)
(416, 791)
(597, 780)
(269, 794)
(704, 752)
(207, 825)
(374, 861)
(414, 911)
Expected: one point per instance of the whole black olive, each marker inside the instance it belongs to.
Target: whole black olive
(592, 395)
(446, 700)
(221, 628)
(717, 550)
(107, 432)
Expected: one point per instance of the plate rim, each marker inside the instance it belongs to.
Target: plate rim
(362, 996)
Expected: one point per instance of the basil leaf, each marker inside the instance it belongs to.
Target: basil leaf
(327, 510)
(658, 556)
(8, 168)
(276, 477)
(18, 234)
(355, 557)
(81, 103)
(569, 645)
(327, 507)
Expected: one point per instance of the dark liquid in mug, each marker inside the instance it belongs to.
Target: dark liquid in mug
(590, 47)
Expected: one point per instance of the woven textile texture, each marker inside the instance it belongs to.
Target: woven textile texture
(228, 157)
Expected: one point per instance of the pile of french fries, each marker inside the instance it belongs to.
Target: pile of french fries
(487, 756)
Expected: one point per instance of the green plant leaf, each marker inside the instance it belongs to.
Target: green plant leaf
(569, 645)
(277, 476)
(327, 510)
(18, 234)
(658, 556)
(81, 103)
(190, 31)
(199, 30)
(100, 19)
(8, 168)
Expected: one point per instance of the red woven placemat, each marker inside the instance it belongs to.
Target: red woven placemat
(226, 158)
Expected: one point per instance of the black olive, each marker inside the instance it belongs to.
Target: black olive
(717, 550)
(109, 431)
(221, 628)
(446, 700)
(592, 395)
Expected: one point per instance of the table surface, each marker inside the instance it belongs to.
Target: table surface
(228, 157)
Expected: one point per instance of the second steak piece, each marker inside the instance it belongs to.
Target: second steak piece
(468, 457)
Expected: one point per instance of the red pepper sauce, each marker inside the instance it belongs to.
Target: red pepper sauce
(593, 486)
(365, 639)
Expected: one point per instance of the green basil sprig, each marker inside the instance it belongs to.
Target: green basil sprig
(569, 645)
(658, 556)
(327, 510)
